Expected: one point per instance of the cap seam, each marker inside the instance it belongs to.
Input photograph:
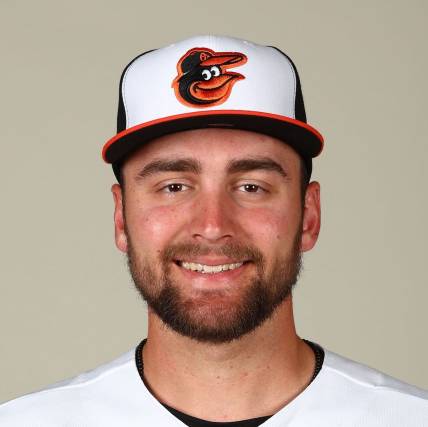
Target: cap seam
(125, 76)
(293, 71)
(123, 94)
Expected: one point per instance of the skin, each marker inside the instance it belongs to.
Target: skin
(265, 369)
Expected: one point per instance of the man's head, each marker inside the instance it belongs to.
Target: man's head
(213, 156)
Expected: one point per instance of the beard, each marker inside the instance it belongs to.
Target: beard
(215, 316)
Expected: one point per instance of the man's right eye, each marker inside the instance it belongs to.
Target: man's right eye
(173, 188)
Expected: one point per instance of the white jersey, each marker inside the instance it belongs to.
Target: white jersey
(344, 393)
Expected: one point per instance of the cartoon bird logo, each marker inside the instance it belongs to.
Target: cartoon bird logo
(203, 78)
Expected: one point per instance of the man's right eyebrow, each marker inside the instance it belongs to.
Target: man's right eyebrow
(169, 165)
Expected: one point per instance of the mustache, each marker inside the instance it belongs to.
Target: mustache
(231, 250)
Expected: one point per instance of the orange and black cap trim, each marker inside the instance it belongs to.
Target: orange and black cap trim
(303, 138)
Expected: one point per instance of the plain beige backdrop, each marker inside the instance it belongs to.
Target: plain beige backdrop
(67, 303)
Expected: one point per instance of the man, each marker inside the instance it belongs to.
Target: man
(213, 208)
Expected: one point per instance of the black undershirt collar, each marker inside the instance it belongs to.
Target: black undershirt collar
(197, 422)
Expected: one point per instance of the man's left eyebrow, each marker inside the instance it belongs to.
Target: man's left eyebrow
(255, 163)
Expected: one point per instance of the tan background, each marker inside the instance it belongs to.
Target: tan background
(66, 301)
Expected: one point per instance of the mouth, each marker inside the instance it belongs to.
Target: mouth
(215, 83)
(215, 89)
(209, 269)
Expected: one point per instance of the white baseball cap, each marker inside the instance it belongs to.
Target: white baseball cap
(211, 81)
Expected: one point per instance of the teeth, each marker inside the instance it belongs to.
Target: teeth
(202, 268)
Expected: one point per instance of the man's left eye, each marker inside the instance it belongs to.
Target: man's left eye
(251, 188)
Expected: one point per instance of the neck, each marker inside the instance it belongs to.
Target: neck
(201, 379)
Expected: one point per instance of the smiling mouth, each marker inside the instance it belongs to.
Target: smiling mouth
(209, 269)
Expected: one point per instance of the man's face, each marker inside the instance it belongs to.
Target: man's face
(213, 226)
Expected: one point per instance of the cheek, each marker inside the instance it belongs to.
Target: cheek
(153, 225)
(271, 227)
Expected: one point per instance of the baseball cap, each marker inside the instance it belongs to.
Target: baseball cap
(208, 82)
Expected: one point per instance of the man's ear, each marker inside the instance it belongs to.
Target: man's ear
(119, 220)
(311, 217)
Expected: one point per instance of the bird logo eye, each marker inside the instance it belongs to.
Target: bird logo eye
(215, 71)
(206, 74)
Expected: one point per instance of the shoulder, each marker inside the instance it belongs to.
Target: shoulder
(363, 376)
(74, 397)
(371, 394)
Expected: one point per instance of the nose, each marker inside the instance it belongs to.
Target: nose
(212, 218)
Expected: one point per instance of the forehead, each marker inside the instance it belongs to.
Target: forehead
(211, 146)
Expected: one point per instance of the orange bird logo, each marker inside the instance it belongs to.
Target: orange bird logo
(204, 78)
